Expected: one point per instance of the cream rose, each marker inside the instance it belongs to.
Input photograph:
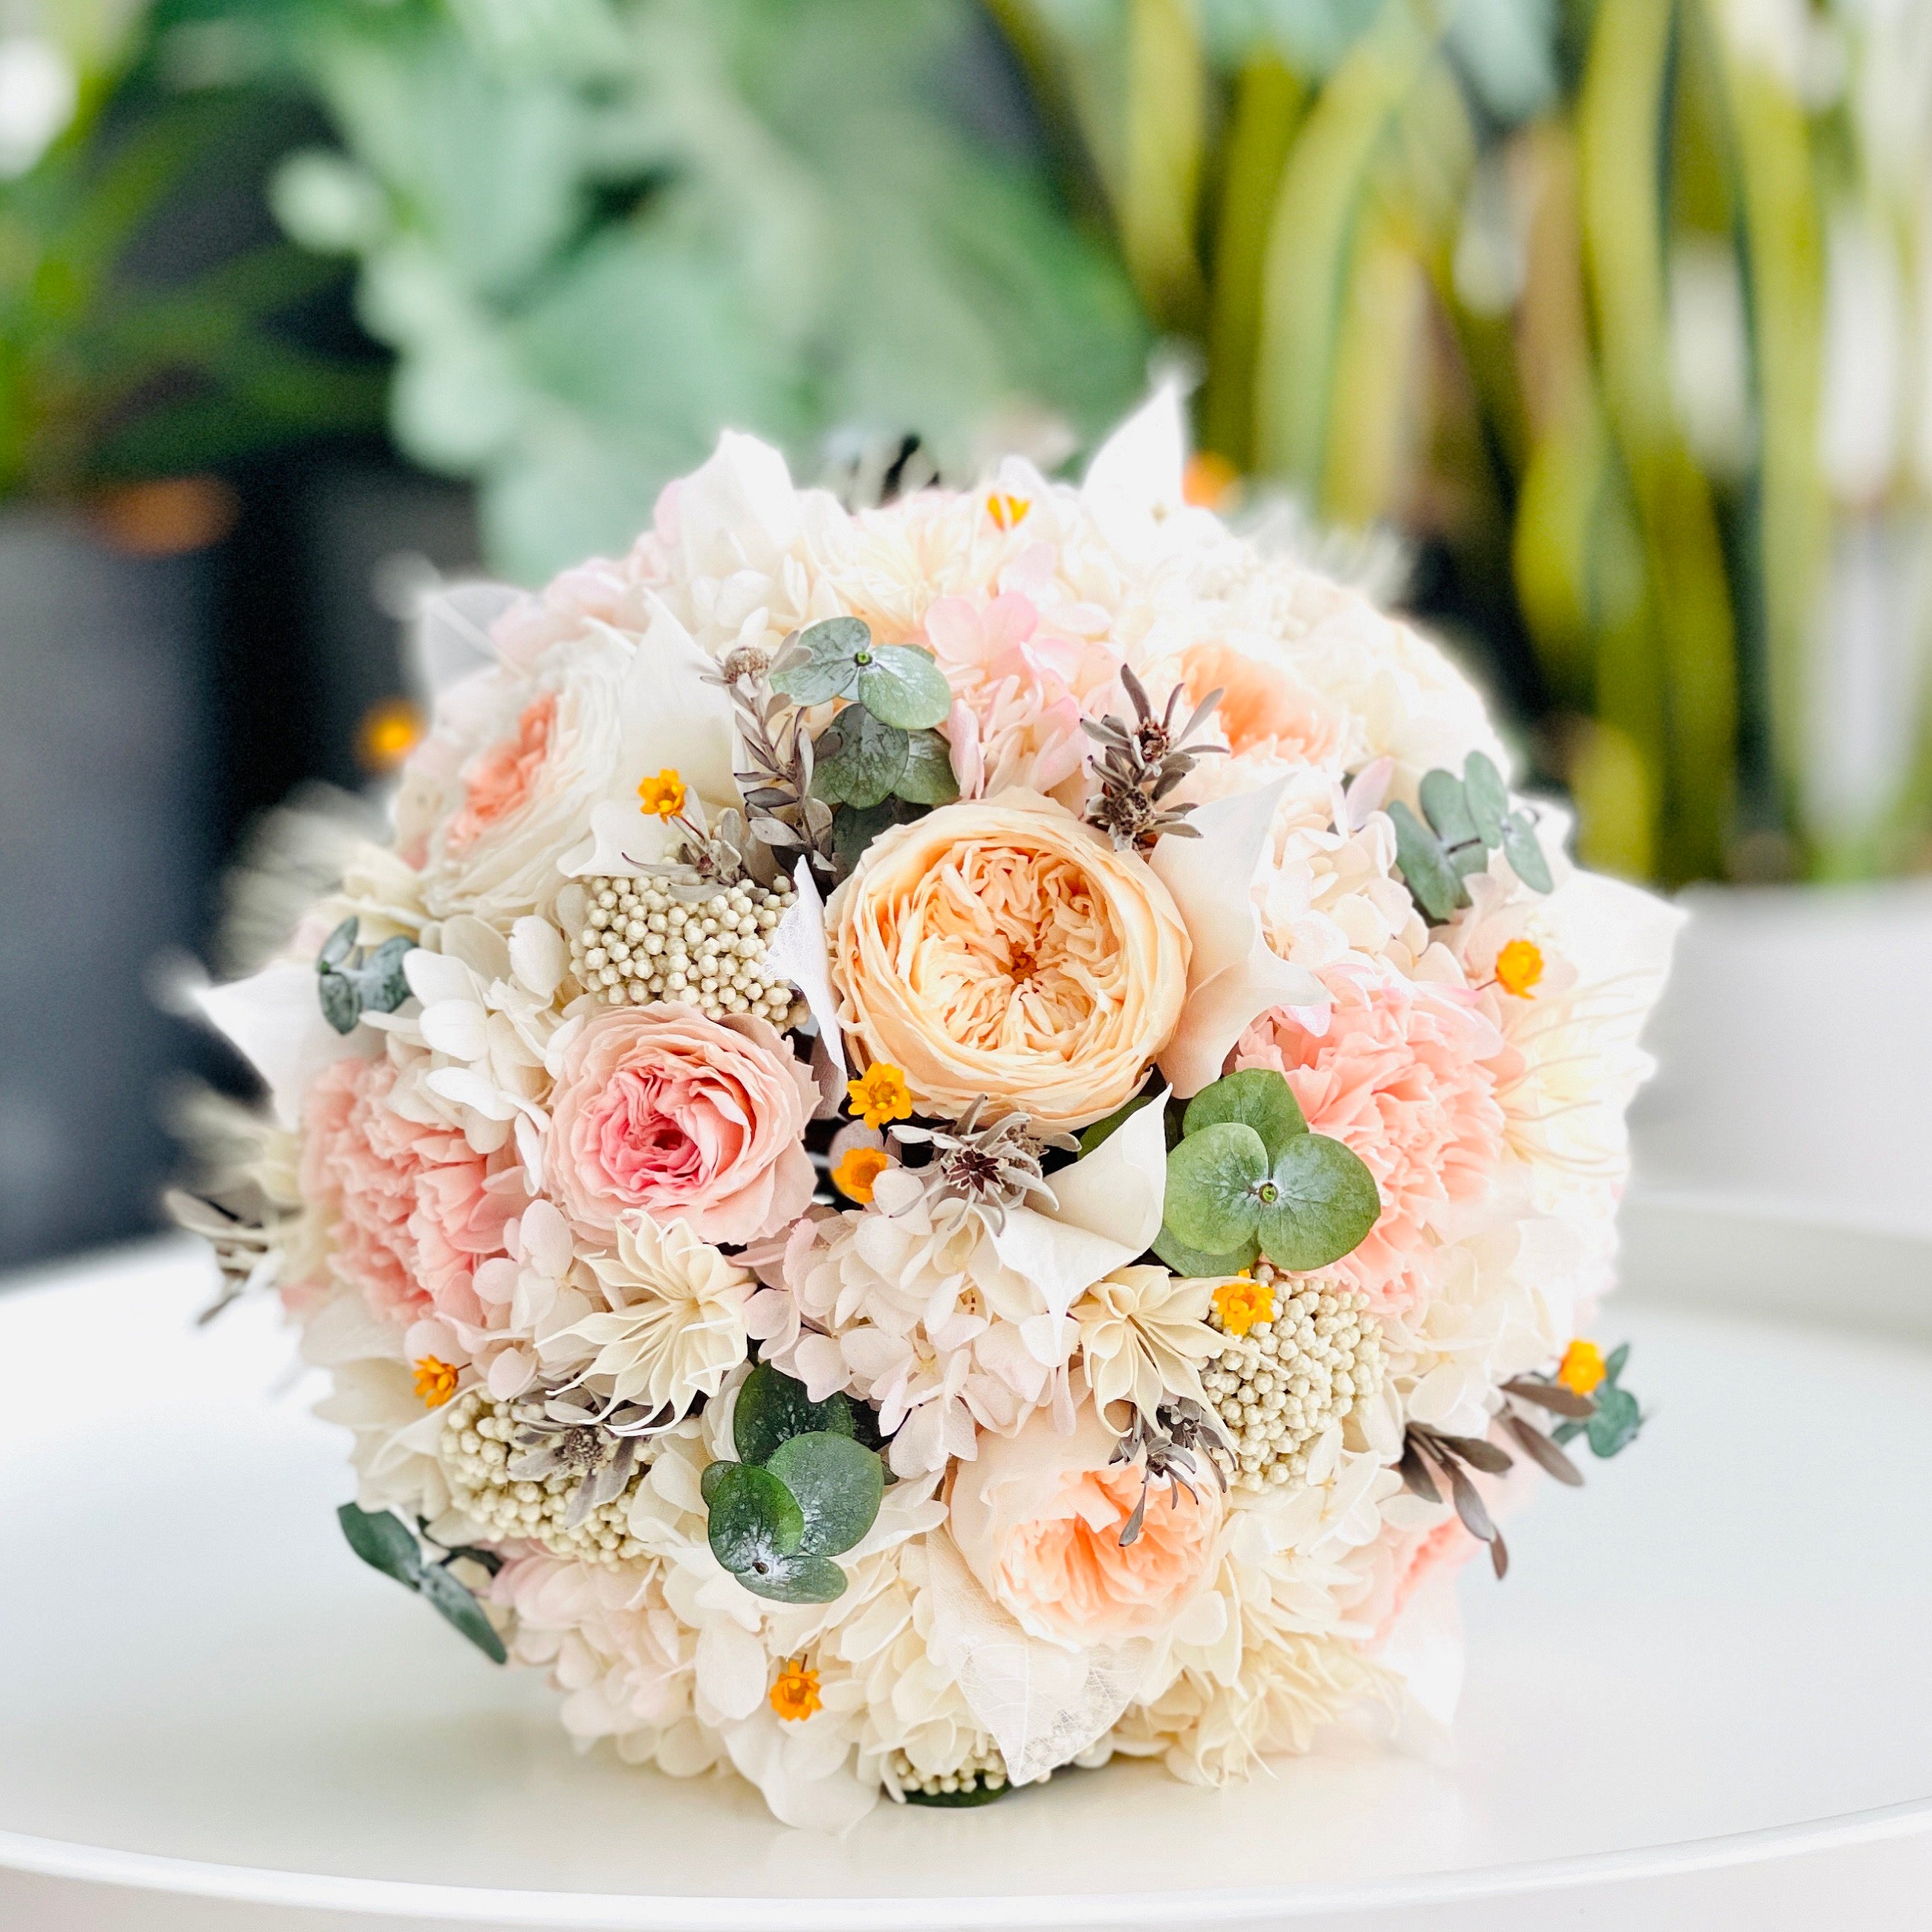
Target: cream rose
(1001, 947)
(1038, 1518)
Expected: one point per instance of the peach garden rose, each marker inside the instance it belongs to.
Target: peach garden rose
(659, 1108)
(1002, 947)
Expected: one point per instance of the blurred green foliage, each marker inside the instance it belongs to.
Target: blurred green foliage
(594, 231)
(120, 359)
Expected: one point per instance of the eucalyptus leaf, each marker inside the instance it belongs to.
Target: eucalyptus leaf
(837, 1484)
(796, 1580)
(1325, 1204)
(1258, 1096)
(1525, 852)
(823, 663)
(713, 1474)
(903, 685)
(928, 779)
(772, 1407)
(383, 1541)
(1487, 796)
(1103, 1130)
(341, 1003)
(459, 1606)
(853, 830)
(1536, 1443)
(1615, 1426)
(754, 1521)
(1613, 1365)
(379, 979)
(1196, 1263)
(1447, 809)
(339, 943)
(870, 759)
(1213, 1179)
(1434, 882)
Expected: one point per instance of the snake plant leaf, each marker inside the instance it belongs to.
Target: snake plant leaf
(902, 685)
(772, 1407)
(1258, 1096)
(837, 1484)
(1213, 1182)
(1325, 1202)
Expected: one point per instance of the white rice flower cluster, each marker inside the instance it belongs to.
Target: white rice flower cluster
(476, 1448)
(639, 943)
(1280, 1387)
(981, 1769)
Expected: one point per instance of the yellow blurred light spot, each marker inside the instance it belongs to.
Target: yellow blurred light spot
(1244, 1303)
(1520, 967)
(1581, 1369)
(436, 1381)
(856, 1171)
(1210, 482)
(663, 794)
(795, 1695)
(391, 729)
(881, 1094)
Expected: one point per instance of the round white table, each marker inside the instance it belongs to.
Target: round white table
(1702, 1697)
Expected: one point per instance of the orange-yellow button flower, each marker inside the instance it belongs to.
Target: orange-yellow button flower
(1520, 967)
(1000, 948)
(857, 1169)
(1582, 1369)
(795, 1695)
(880, 1094)
(436, 1381)
(663, 794)
(1243, 1302)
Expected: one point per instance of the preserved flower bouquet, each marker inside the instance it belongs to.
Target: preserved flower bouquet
(952, 1139)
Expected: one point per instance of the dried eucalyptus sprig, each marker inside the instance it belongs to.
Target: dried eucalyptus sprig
(710, 860)
(245, 1250)
(1171, 1448)
(994, 1165)
(1141, 763)
(783, 817)
(1428, 1452)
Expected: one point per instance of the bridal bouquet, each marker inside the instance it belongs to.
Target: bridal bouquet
(951, 1138)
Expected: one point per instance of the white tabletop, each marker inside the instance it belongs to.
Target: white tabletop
(1702, 1693)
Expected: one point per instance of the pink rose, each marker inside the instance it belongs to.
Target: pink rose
(688, 1118)
(1038, 1517)
(412, 1207)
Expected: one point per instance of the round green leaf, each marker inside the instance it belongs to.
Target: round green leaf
(1427, 873)
(383, 1541)
(1487, 797)
(460, 1607)
(1260, 1096)
(339, 943)
(796, 1580)
(1325, 1203)
(772, 1407)
(712, 1474)
(755, 1523)
(822, 665)
(1104, 1129)
(1446, 808)
(837, 1484)
(928, 779)
(1616, 1422)
(870, 761)
(902, 685)
(1192, 1262)
(1522, 848)
(341, 1004)
(1212, 1178)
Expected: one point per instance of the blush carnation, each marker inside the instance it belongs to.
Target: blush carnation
(1406, 1075)
(659, 1108)
(409, 1203)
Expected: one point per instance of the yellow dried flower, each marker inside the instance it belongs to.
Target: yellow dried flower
(795, 1695)
(1519, 967)
(663, 794)
(1582, 1370)
(1243, 1302)
(856, 1170)
(881, 1094)
(436, 1381)
(1006, 510)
